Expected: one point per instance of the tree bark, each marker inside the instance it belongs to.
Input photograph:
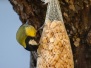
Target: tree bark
(77, 19)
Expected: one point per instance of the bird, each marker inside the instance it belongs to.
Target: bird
(26, 36)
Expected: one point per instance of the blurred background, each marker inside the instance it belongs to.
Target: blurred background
(12, 55)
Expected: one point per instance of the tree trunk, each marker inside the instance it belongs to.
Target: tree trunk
(77, 19)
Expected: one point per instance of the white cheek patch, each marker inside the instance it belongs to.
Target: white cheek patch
(33, 42)
(46, 1)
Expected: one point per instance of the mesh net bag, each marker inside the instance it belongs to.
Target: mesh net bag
(55, 49)
(54, 11)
